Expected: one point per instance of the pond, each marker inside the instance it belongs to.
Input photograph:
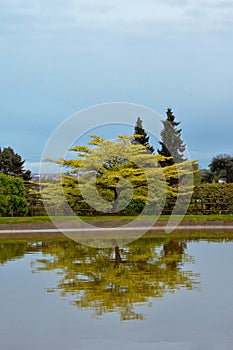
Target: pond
(156, 293)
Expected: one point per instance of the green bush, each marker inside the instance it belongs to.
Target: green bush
(12, 196)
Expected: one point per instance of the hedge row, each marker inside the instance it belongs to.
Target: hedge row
(206, 199)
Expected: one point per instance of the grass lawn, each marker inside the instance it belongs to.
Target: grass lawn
(40, 219)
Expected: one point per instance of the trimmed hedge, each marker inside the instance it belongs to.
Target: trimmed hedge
(212, 199)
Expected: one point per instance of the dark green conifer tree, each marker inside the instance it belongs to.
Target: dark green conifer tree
(12, 164)
(140, 136)
(172, 146)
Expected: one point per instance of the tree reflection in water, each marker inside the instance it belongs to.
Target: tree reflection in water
(118, 279)
(11, 251)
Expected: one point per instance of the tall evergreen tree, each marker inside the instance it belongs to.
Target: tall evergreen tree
(172, 146)
(12, 164)
(141, 137)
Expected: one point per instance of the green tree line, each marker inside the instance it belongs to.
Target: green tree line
(117, 179)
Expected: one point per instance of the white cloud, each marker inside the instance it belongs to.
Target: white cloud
(47, 15)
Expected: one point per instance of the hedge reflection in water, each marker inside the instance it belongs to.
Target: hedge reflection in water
(112, 280)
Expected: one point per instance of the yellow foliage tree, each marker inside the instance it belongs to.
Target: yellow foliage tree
(110, 175)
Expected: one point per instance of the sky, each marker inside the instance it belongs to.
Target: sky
(58, 57)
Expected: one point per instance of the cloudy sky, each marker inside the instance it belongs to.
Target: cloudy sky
(58, 57)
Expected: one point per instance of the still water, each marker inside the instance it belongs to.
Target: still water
(160, 294)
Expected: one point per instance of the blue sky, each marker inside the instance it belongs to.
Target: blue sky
(58, 57)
